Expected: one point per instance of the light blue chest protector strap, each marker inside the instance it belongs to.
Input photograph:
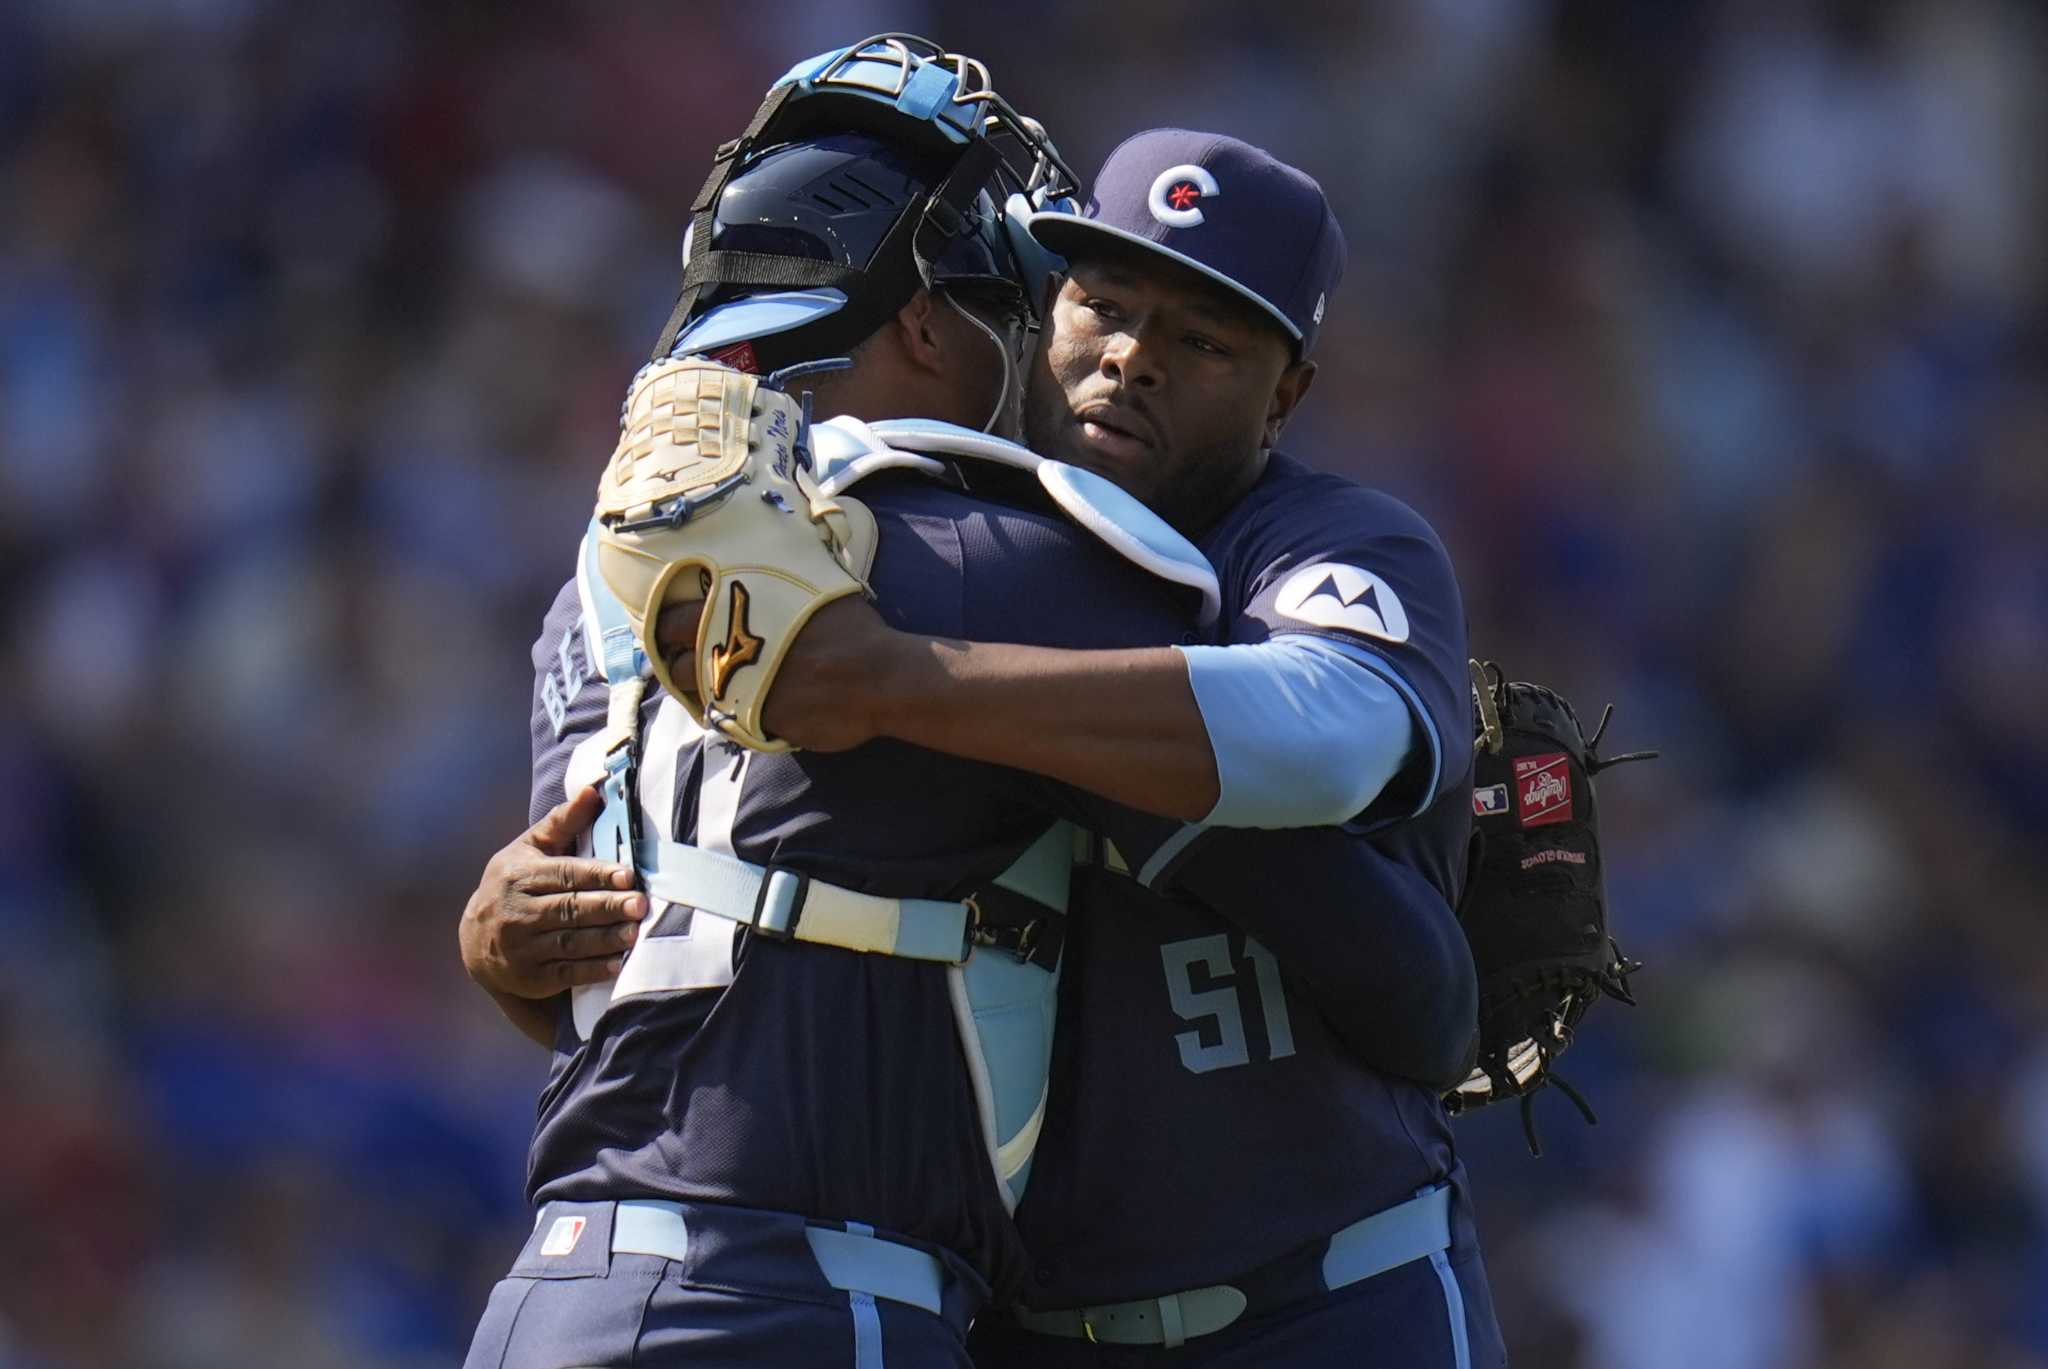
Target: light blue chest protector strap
(1000, 946)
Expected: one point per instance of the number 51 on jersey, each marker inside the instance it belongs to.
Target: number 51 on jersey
(1207, 989)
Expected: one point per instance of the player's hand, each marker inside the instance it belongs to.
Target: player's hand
(828, 694)
(675, 632)
(544, 919)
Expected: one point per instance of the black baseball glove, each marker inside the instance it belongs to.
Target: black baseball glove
(1535, 905)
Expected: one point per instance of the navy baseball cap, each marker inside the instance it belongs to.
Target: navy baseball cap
(1230, 211)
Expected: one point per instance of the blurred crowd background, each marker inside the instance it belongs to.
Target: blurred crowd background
(1710, 335)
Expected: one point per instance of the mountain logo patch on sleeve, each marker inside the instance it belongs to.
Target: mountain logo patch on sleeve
(1332, 594)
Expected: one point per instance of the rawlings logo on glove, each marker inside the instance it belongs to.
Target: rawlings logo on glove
(710, 496)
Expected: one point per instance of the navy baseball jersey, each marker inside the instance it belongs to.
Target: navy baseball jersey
(819, 1081)
(1214, 1119)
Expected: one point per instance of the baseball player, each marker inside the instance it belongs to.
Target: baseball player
(797, 814)
(752, 1150)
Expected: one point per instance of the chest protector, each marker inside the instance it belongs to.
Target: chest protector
(999, 947)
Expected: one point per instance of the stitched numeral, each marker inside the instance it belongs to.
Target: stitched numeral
(1218, 1006)
(1279, 1031)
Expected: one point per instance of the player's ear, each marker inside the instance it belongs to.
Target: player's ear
(918, 330)
(1288, 392)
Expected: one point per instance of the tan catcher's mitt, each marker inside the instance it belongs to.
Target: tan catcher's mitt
(711, 496)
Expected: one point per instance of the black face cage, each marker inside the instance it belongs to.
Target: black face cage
(1032, 165)
(1006, 153)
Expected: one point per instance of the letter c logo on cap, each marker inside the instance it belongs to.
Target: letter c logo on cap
(1176, 198)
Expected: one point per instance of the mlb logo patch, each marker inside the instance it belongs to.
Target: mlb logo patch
(562, 1236)
(1490, 800)
(1544, 786)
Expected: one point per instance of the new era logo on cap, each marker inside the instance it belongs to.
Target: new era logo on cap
(1230, 211)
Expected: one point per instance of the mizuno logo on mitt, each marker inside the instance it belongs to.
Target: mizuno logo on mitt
(671, 520)
(740, 647)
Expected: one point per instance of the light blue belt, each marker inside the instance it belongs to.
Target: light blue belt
(849, 1260)
(1412, 1230)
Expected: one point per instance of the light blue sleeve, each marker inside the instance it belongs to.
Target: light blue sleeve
(1306, 731)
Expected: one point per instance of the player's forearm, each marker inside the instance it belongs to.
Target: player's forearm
(1121, 724)
(535, 1017)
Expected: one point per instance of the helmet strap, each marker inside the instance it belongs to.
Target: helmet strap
(1007, 357)
(724, 163)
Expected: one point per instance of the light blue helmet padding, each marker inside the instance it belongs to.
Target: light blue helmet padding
(927, 95)
(756, 316)
(1142, 536)
(1036, 262)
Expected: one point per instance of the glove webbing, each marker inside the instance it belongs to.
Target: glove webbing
(1613, 984)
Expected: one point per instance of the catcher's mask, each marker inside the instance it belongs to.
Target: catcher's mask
(867, 174)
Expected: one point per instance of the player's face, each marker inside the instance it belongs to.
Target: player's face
(1162, 381)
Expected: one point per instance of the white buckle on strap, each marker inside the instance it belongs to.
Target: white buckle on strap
(779, 903)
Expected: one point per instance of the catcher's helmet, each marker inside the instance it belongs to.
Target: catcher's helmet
(845, 199)
(867, 173)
